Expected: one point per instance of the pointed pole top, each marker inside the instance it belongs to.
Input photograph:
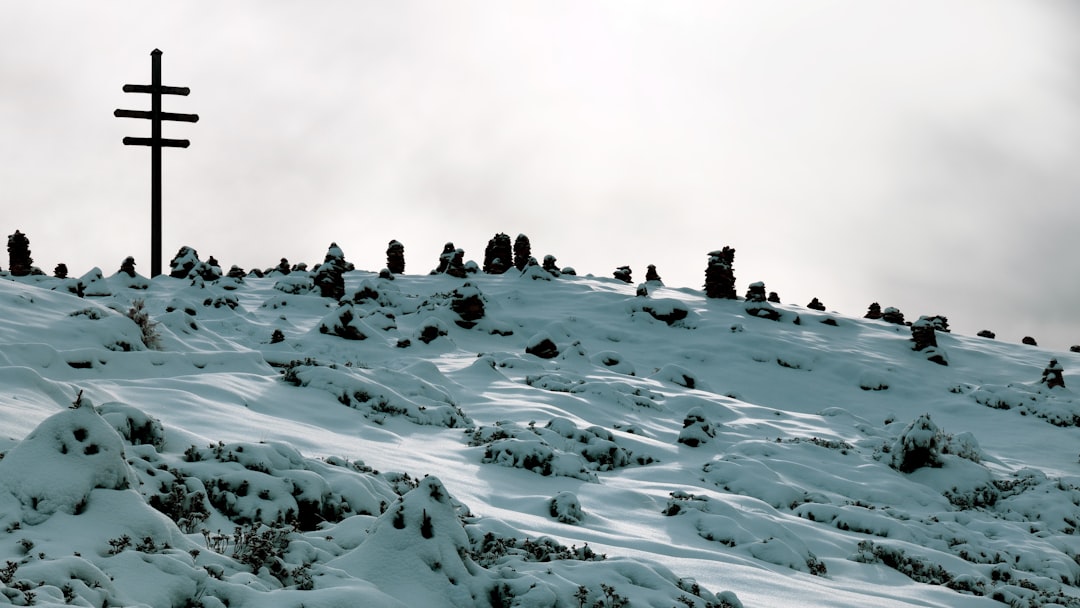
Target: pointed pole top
(155, 52)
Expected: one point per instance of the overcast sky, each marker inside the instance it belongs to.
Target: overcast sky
(921, 154)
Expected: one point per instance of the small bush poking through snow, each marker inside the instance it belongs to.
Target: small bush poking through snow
(150, 336)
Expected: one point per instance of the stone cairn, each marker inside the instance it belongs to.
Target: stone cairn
(720, 275)
(20, 264)
(756, 292)
(451, 262)
(330, 275)
(522, 252)
(1053, 375)
(651, 274)
(550, 265)
(874, 312)
(923, 334)
(395, 257)
(498, 255)
(893, 315)
(128, 266)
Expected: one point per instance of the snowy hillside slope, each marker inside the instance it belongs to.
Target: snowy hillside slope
(518, 440)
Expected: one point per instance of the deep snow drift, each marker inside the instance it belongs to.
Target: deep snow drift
(518, 440)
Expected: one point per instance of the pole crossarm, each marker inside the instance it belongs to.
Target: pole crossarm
(156, 142)
(159, 116)
(159, 89)
(150, 141)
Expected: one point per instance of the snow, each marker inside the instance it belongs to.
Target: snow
(500, 440)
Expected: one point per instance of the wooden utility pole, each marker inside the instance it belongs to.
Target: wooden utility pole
(156, 143)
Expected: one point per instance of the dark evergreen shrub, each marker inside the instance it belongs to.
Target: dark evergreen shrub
(236, 272)
(774, 297)
(1029, 341)
(986, 333)
(816, 304)
(623, 274)
(61, 271)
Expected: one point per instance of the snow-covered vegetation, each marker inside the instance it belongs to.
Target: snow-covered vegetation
(495, 440)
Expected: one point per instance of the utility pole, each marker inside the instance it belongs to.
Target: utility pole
(156, 143)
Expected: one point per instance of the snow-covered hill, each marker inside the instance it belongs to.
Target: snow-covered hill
(517, 440)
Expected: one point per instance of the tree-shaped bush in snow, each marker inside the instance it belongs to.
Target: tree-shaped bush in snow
(522, 251)
(623, 274)
(720, 274)
(20, 264)
(816, 304)
(918, 446)
(986, 333)
(61, 271)
(773, 297)
(1029, 341)
(499, 254)
(395, 257)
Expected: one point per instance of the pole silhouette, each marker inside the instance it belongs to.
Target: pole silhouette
(156, 143)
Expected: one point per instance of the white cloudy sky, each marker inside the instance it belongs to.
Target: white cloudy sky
(916, 153)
